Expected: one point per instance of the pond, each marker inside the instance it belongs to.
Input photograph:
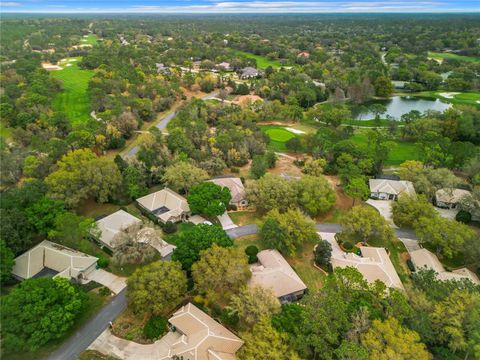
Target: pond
(399, 105)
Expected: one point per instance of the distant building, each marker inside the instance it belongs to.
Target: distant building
(49, 259)
(273, 272)
(450, 198)
(166, 205)
(249, 73)
(162, 69)
(224, 66)
(237, 190)
(304, 55)
(383, 189)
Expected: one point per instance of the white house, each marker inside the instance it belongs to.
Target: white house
(384, 189)
(113, 224)
(166, 205)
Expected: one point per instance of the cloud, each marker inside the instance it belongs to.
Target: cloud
(10, 4)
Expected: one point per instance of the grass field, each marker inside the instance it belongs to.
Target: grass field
(278, 137)
(462, 98)
(400, 152)
(73, 100)
(262, 61)
(442, 56)
(89, 39)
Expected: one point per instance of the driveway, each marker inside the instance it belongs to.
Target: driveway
(447, 213)
(384, 207)
(77, 343)
(410, 244)
(113, 282)
(245, 230)
(226, 221)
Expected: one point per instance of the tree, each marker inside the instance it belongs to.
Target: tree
(365, 223)
(208, 199)
(407, 210)
(134, 182)
(156, 288)
(221, 271)
(294, 144)
(383, 86)
(42, 214)
(390, 340)
(190, 243)
(80, 174)
(288, 231)
(69, 229)
(37, 311)
(259, 166)
(7, 260)
(182, 176)
(271, 192)
(356, 188)
(315, 195)
(314, 167)
(252, 303)
(134, 245)
(332, 115)
(448, 236)
(265, 343)
(323, 253)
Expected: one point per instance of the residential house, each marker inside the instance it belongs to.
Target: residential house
(249, 73)
(273, 272)
(237, 190)
(304, 55)
(224, 66)
(49, 259)
(148, 235)
(166, 205)
(424, 259)
(113, 224)
(162, 69)
(384, 189)
(450, 198)
(194, 335)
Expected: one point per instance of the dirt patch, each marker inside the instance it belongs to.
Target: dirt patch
(277, 123)
(343, 202)
(286, 166)
(129, 326)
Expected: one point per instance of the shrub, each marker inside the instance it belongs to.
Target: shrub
(169, 227)
(464, 217)
(104, 291)
(251, 252)
(323, 253)
(347, 245)
(103, 262)
(410, 265)
(229, 318)
(155, 327)
(234, 169)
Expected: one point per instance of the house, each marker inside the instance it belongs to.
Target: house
(196, 336)
(148, 235)
(49, 259)
(273, 272)
(166, 205)
(237, 190)
(384, 189)
(304, 55)
(249, 73)
(424, 259)
(224, 66)
(113, 224)
(450, 198)
(162, 69)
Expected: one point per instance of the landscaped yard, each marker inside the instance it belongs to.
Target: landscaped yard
(262, 61)
(241, 218)
(278, 137)
(73, 100)
(442, 56)
(94, 355)
(89, 39)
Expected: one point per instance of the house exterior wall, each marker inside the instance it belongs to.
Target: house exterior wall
(36, 261)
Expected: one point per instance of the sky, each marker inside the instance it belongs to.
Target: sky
(237, 6)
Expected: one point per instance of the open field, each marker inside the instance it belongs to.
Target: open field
(262, 61)
(89, 39)
(401, 151)
(73, 100)
(442, 56)
(278, 137)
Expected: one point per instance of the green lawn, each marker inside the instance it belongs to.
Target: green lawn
(463, 98)
(369, 123)
(262, 61)
(442, 56)
(73, 100)
(278, 137)
(241, 218)
(399, 153)
(89, 39)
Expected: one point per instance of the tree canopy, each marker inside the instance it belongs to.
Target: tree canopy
(208, 199)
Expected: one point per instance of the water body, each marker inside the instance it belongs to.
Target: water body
(399, 105)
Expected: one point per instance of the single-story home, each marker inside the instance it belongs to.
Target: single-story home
(273, 272)
(424, 259)
(224, 66)
(166, 205)
(237, 190)
(161, 68)
(374, 264)
(194, 335)
(450, 198)
(113, 224)
(384, 189)
(303, 54)
(49, 259)
(249, 73)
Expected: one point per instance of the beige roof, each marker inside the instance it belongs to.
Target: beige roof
(175, 203)
(114, 223)
(201, 337)
(234, 184)
(273, 272)
(423, 258)
(395, 187)
(375, 264)
(451, 196)
(67, 262)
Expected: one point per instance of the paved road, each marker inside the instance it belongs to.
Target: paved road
(80, 341)
(252, 229)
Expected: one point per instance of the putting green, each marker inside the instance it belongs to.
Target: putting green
(279, 134)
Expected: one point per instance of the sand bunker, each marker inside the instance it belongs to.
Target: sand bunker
(49, 67)
(448, 95)
(295, 131)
